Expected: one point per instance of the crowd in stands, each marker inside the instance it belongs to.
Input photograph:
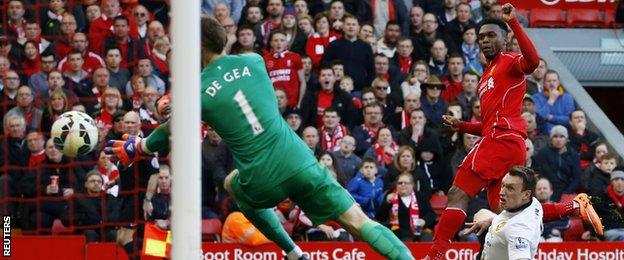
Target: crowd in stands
(364, 83)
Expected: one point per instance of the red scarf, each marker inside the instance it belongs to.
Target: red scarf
(372, 132)
(36, 159)
(414, 212)
(382, 156)
(406, 64)
(617, 199)
(112, 172)
(331, 140)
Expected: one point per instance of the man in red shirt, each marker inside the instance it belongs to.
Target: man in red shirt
(285, 69)
(92, 61)
(501, 92)
(453, 80)
(130, 46)
(101, 28)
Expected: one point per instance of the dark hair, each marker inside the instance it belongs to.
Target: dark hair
(213, 36)
(336, 62)
(552, 72)
(463, 3)
(610, 156)
(528, 177)
(368, 160)
(48, 53)
(392, 22)
(331, 109)
(456, 55)
(373, 104)
(470, 72)
(340, 176)
(244, 26)
(274, 32)
(114, 47)
(121, 18)
(495, 21)
(75, 51)
(326, 67)
(576, 110)
(350, 16)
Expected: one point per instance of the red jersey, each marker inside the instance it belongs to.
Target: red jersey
(315, 47)
(92, 62)
(452, 89)
(502, 88)
(282, 68)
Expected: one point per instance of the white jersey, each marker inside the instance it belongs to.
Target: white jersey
(514, 235)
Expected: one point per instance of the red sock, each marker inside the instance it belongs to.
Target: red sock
(451, 220)
(556, 211)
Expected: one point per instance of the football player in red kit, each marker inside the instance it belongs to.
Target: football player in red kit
(503, 130)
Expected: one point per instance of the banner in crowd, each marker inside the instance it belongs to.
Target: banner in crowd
(563, 4)
(361, 251)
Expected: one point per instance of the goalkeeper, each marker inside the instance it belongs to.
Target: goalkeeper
(238, 102)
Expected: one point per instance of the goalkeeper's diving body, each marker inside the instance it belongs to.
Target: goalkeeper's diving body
(238, 102)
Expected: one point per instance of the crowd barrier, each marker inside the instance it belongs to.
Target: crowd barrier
(74, 247)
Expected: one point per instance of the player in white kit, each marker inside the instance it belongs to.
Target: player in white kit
(515, 232)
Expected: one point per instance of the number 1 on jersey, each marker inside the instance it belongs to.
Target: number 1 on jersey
(256, 127)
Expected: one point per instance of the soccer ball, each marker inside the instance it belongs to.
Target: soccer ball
(74, 133)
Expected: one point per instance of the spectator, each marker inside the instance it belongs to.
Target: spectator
(475, 106)
(432, 105)
(78, 79)
(366, 188)
(304, 23)
(450, 140)
(111, 103)
(148, 110)
(552, 230)
(8, 99)
(15, 19)
(613, 225)
(528, 105)
(92, 12)
(559, 164)
(601, 150)
(94, 210)
(118, 76)
(456, 27)
(145, 69)
(233, 7)
(535, 81)
(161, 48)
(109, 173)
(311, 78)
(454, 79)
(56, 179)
(38, 81)
(430, 33)
(416, 20)
(57, 105)
(599, 177)
(293, 118)
(419, 135)
(336, 14)
(32, 62)
(411, 102)
(482, 9)
(389, 73)
(530, 152)
(449, 13)
(468, 94)
(496, 11)
(230, 30)
(315, 102)
(285, 69)
(253, 17)
(553, 105)
(52, 17)
(92, 97)
(317, 42)
(583, 140)
(418, 74)
(367, 32)
(407, 212)
(471, 52)
(62, 44)
(159, 196)
(100, 29)
(14, 153)
(155, 31)
(380, 88)
(310, 137)
(332, 130)
(355, 54)
(274, 11)
(438, 60)
(366, 134)
(382, 15)
(129, 45)
(388, 43)
(383, 150)
(217, 161)
(346, 159)
(403, 56)
(538, 139)
(92, 61)
(468, 143)
(26, 109)
(329, 160)
(404, 162)
(296, 40)
(142, 16)
(137, 86)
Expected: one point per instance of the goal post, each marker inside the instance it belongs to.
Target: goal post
(185, 130)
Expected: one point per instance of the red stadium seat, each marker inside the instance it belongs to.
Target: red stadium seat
(541, 17)
(211, 230)
(575, 231)
(609, 21)
(59, 229)
(438, 203)
(584, 18)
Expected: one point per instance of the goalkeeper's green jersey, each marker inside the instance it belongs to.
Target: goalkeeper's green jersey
(239, 103)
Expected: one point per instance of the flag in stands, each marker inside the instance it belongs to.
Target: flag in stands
(157, 241)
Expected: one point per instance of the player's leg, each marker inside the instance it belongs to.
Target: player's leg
(579, 206)
(467, 184)
(322, 199)
(376, 235)
(264, 219)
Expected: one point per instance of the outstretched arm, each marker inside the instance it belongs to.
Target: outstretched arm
(528, 62)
